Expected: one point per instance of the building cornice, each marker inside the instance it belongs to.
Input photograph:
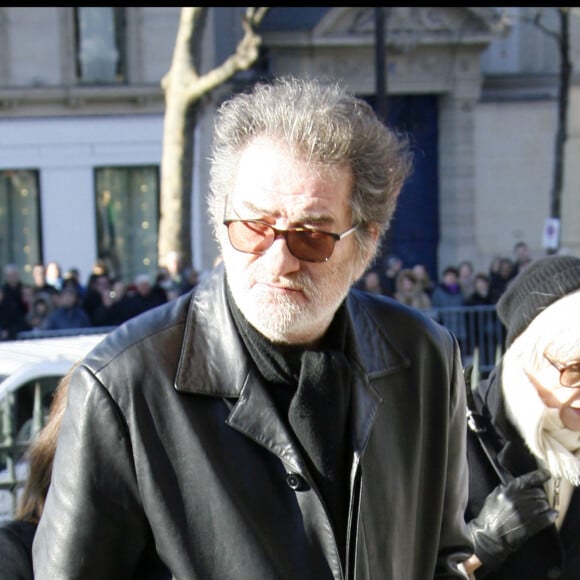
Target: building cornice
(80, 100)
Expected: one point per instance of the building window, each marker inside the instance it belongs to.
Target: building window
(20, 233)
(100, 44)
(127, 206)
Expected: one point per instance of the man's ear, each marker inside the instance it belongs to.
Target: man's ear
(373, 230)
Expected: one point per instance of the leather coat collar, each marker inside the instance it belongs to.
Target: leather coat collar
(213, 362)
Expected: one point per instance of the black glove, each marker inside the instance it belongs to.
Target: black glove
(511, 514)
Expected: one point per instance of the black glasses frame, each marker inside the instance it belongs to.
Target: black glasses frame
(287, 235)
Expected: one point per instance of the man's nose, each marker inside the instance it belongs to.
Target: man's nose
(280, 258)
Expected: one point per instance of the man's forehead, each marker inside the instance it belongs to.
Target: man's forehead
(278, 203)
(272, 179)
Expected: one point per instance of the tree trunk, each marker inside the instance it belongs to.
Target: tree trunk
(562, 127)
(176, 180)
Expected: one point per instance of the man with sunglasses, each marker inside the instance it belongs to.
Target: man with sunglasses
(272, 424)
(524, 446)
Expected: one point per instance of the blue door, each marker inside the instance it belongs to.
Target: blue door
(414, 231)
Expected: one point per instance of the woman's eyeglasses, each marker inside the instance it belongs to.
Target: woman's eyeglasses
(569, 373)
(308, 244)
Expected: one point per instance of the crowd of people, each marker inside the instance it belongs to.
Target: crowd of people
(459, 284)
(57, 300)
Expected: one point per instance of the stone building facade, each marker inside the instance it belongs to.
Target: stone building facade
(73, 132)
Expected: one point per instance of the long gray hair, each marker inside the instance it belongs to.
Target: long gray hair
(323, 124)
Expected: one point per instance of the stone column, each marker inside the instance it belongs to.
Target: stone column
(457, 219)
(570, 209)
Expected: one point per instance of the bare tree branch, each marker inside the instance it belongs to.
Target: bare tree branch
(255, 15)
(182, 67)
(246, 54)
(537, 21)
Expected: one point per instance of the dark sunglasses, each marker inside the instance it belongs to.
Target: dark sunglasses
(569, 373)
(308, 244)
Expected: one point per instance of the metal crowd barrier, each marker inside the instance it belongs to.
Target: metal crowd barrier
(31, 334)
(479, 331)
(17, 432)
(13, 447)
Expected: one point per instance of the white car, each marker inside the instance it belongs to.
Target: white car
(30, 371)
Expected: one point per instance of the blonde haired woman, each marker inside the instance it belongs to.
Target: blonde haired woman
(524, 449)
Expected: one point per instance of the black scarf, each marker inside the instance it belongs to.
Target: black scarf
(311, 389)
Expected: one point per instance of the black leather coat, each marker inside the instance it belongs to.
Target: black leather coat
(170, 445)
(549, 555)
(16, 550)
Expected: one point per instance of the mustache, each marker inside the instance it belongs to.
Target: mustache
(300, 281)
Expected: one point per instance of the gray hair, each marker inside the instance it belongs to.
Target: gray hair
(142, 279)
(321, 123)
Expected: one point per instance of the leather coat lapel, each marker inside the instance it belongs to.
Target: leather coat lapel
(256, 416)
(213, 362)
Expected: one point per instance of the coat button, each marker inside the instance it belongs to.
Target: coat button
(294, 481)
(554, 573)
